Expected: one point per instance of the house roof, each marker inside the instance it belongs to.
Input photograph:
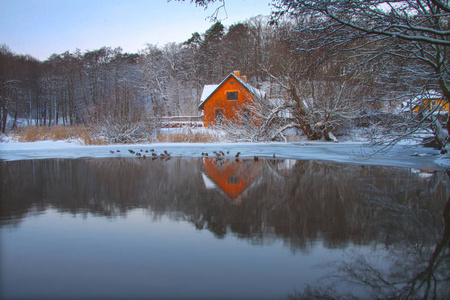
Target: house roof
(209, 90)
(418, 99)
(430, 94)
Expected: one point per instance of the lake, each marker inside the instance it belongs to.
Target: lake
(201, 228)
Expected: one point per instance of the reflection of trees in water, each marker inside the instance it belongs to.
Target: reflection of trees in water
(297, 201)
(417, 269)
(107, 187)
(414, 261)
(337, 202)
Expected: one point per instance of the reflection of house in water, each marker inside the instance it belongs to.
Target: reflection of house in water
(231, 177)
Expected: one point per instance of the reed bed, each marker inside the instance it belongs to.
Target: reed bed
(189, 136)
(57, 133)
(87, 136)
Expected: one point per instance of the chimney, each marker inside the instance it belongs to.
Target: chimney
(237, 73)
(244, 77)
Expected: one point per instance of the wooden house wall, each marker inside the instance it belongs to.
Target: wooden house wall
(218, 101)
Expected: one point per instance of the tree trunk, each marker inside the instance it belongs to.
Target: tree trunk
(305, 127)
(4, 119)
(14, 125)
(441, 135)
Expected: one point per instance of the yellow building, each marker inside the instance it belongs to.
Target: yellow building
(429, 100)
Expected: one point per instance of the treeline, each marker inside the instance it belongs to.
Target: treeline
(107, 84)
(108, 87)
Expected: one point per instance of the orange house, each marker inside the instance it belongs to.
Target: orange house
(228, 100)
(427, 100)
(439, 104)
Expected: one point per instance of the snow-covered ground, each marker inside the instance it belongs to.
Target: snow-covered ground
(409, 156)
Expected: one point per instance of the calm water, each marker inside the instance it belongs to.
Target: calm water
(194, 228)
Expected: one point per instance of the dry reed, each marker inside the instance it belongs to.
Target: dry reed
(88, 137)
(188, 136)
(57, 133)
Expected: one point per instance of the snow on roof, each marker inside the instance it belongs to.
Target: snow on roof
(431, 94)
(208, 90)
(418, 99)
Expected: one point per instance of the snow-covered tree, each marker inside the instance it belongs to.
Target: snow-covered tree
(402, 46)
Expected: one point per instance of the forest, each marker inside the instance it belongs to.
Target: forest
(332, 66)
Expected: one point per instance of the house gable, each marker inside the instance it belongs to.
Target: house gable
(227, 99)
(209, 91)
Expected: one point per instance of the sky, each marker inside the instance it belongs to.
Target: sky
(41, 28)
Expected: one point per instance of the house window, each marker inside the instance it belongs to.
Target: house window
(231, 82)
(232, 95)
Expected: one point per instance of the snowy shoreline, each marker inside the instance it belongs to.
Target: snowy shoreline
(402, 155)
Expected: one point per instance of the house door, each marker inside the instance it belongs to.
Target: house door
(219, 117)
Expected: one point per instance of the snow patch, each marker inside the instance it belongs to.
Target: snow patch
(409, 156)
(443, 161)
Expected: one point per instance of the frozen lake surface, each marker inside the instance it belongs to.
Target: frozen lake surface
(400, 155)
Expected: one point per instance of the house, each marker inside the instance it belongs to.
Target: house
(428, 100)
(228, 100)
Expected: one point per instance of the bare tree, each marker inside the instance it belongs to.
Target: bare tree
(18, 86)
(318, 108)
(318, 101)
(257, 121)
(403, 43)
(9, 85)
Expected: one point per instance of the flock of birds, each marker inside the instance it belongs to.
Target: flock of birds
(220, 155)
(147, 153)
(166, 155)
